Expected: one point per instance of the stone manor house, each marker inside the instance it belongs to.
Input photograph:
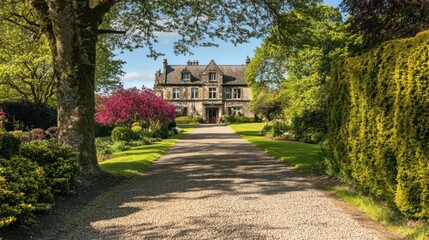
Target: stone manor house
(209, 90)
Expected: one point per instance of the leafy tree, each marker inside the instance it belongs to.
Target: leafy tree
(381, 20)
(125, 106)
(73, 27)
(26, 70)
(298, 68)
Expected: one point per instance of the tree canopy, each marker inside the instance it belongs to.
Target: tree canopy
(381, 20)
(294, 70)
(26, 67)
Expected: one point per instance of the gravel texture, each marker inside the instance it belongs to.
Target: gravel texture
(215, 185)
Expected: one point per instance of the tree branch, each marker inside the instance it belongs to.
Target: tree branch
(28, 21)
(19, 24)
(106, 31)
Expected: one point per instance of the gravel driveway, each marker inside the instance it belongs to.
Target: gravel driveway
(215, 185)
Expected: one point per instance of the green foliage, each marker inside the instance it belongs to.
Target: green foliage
(236, 119)
(26, 71)
(122, 134)
(379, 21)
(9, 144)
(189, 120)
(159, 130)
(311, 126)
(289, 72)
(141, 142)
(120, 146)
(378, 122)
(23, 190)
(25, 115)
(60, 164)
(103, 149)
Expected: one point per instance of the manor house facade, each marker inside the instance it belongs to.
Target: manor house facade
(209, 90)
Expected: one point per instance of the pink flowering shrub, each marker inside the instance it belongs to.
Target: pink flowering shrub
(3, 118)
(126, 106)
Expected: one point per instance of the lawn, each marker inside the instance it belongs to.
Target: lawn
(302, 156)
(138, 160)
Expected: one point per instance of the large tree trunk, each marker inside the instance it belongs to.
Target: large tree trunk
(72, 36)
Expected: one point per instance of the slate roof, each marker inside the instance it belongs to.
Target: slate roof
(232, 74)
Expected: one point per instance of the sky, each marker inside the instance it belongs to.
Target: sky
(140, 70)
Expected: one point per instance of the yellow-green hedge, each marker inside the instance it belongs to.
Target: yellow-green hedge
(379, 122)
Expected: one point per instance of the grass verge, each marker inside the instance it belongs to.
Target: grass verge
(306, 157)
(381, 213)
(137, 160)
(302, 156)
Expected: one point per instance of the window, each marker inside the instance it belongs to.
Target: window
(186, 76)
(237, 93)
(212, 93)
(234, 111)
(185, 111)
(194, 93)
(228, 93)
(176, 93)
(212, 76)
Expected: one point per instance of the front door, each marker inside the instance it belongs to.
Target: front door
(212, 115)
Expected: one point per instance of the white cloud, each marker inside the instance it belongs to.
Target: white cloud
(135, 76)
(135, 79)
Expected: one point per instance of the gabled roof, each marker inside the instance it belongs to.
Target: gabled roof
(232, 74)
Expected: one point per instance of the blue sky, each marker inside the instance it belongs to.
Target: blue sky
(140, 70)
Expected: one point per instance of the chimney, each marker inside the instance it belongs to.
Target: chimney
(188, 62)
(247, 60)
(165, 70)
(197, 62)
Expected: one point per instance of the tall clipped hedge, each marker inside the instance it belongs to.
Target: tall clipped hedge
(378, 120)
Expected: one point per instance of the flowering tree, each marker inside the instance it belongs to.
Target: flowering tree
(126, 106)
(3, 118)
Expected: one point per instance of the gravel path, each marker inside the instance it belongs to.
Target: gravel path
(215, 185)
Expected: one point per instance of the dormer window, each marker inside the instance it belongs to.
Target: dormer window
(212, 76)
(186, 76)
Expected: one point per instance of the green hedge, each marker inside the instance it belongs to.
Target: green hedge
(189, 119)
(30, 177)
(379, 122)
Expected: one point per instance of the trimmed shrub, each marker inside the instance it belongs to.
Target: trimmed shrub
(103, 150)
(189, 120)
(378, 121)
(60, 164)
(160, 131)
(122, 134)
(266, 129)
(9, 144)
(120, 146)
(23, 190)
(278, 128)
(310, 126)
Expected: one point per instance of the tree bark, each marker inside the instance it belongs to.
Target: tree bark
(72, 33)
